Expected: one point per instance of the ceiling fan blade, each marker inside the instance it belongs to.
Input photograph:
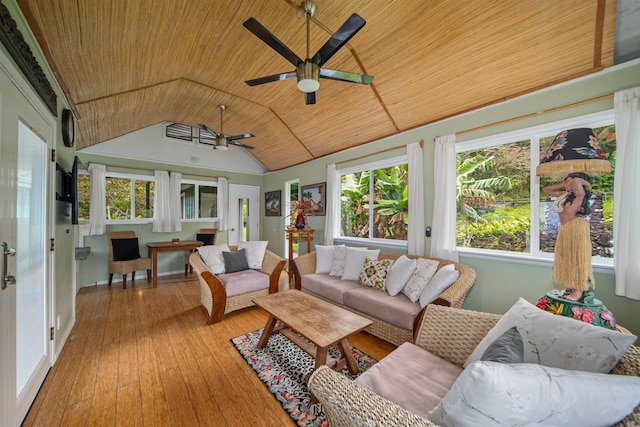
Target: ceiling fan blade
(243, 136)
(207, 129)
(269, 79)
(265, 35)
(345, 76)
(309, 98)
(350, 27)
(239, 144)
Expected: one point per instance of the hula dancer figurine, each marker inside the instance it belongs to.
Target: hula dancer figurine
(572, 260)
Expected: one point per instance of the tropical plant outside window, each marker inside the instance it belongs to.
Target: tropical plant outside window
(387, 216)
(199, 200)
(494, 197)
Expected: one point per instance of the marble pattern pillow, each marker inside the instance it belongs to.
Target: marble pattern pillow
(255, 252)
(425, 269)
(400, 273)
(525, 394)
(559, 341)
(212, 257)
(354, 259)
(374, 273)
(440, 281)
(337, 266)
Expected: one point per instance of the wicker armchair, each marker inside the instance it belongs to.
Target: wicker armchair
(449, 333)
(204, 232)
(130, 265)
(213, 295)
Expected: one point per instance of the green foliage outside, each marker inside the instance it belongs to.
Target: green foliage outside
(493, 193)
(390, 203)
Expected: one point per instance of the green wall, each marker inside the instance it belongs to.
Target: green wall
(499, 282)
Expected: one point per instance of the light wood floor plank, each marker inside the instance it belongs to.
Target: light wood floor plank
(145, 356)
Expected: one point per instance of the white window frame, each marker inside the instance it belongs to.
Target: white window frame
(197, 184)
(372, 241)
(132, 177)
(594, 120)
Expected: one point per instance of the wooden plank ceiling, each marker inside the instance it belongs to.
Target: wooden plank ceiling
(128, 64)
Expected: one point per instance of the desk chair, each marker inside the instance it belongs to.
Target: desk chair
(124, 256)
(208, 237)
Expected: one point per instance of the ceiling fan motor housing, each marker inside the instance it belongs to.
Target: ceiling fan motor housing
(308, 75)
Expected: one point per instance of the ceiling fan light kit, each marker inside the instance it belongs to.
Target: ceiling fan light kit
(310, 71)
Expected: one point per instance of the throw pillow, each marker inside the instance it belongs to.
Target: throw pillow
(559, 341)
(235, 261)
(374, 272)
(496, 394)
(324, 258)
(508, 348)
(401, 272)
(440, 281)
(212, 257)
(255, 253)
(425, 269)
(354, 260)
(125, 249)
(337, 266)
(205, 238)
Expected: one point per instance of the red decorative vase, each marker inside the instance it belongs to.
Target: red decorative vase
(300, 221)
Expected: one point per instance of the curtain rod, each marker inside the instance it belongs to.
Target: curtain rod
(153, 170)
(538, 113)
(377, 152)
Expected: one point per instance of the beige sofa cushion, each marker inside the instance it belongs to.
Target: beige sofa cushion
(243, 281)
(332, 288)
(396, 310)
(412, 378)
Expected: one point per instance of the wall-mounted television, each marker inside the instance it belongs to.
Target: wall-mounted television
(67, 190)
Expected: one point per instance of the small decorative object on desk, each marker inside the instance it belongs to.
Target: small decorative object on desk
(175, 240)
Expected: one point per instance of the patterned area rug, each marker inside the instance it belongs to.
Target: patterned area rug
(283, 367)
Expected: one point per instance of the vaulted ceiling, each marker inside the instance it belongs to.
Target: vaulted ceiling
(128, 64)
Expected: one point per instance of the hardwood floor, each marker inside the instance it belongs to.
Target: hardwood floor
(144, 356)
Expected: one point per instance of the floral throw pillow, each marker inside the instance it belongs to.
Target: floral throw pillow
(374, 273)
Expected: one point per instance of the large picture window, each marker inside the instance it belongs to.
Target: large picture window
(374, 200)
(130, 198)
(500, 205)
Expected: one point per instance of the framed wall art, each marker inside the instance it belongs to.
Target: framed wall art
(314, 195)
(272, 203)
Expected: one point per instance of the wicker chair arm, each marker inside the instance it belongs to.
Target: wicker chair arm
(348, 404)
(272, 266)
(455, 294)
(304, 264)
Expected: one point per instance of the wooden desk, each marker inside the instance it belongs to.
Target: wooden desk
(155, 247)
(299, 235)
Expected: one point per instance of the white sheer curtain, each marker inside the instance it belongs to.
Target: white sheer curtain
(416, 200)
(332, 204)
(626, 204)
(223, 198)
(97, 199)
(443, 235)
(166, 206)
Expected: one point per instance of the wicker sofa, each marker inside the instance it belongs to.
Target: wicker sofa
(448, 333)
(453, 296)
(219, 300)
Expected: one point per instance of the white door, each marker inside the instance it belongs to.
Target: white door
(26, 129)
(244, 213)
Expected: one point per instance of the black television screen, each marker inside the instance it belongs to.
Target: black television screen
(74, 191)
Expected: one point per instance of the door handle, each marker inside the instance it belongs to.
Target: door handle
(7, 279)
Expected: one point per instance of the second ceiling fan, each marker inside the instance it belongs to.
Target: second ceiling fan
(309, 71)
(222, 141)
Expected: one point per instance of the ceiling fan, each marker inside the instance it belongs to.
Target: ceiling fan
(309, 71)
(222, 141)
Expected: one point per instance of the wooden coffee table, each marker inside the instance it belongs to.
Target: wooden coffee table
(321, 323)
